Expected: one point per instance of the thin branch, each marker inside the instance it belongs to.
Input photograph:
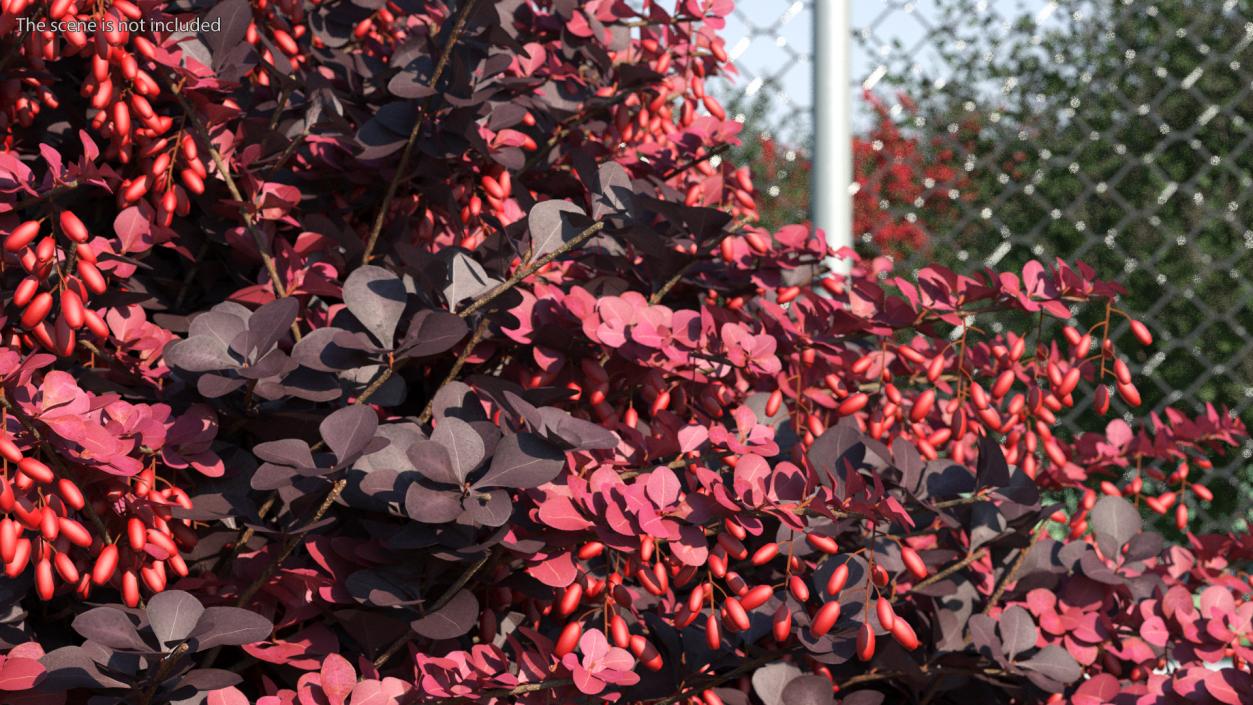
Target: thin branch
(163, 670)
(444, 599)
(974, 556)
(671, 283)
(290, 545)
(225, 172)
(530, 269)
(455, 35)
(709, 154)
(1012, 574)
(479, 333)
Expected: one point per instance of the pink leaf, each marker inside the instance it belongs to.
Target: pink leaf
(556, 572)
(338, 678)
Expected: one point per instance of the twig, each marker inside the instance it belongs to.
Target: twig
(974, 556)
(291, 544)
(163, 670)
(475, 339)
(1012, 574)
(671, 283)
(455, 35)
(464, 578)
(530, 269)
(709, 154)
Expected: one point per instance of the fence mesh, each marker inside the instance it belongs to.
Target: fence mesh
(991, 132)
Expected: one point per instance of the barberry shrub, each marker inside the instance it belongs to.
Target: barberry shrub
(387, 353)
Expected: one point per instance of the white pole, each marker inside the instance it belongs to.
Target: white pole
(831, 203)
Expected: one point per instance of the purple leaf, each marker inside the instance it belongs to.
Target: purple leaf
(431, 506)
(1018, 631)
(452, 620)
(377, 298)
(267, 326)
(173, 614)
(522, 461)
(110, 627)
(1054, 663)
(348, 431)
(432, 332)
(807, 690)
(553, 224)
(1114, 522)
(662, 486)
(770, 681)
(229, 626)
(464, 445)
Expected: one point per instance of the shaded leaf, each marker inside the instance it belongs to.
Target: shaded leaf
(452, 620)
(1114, 522)
(807, 690)
(1018, 631)
(553, 224)
(377, 298)
(173, 614)
(111, 627)
(522, 461)
(229, 626)
(431, 333)
(349, 430)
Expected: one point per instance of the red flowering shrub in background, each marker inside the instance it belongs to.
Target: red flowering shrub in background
(896, 177)
(411, 352)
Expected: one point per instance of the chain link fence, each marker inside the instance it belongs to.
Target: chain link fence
(990, 132)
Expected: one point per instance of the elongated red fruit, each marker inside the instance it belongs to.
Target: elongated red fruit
(796, 585)
(65, 567)
(45, 583)
(136, 533)
(9, 451)
(130, 589)
(619, 632)
(765, 554)
(106, 563)
(25, 291)
(8, 539)
(75, 532)
(646, 653)
(774, 402)
(887, 617)
(37, 309)
(838, 579)
(568, 638)
(72, 309)
(569, 601)
(73, 227)
(1141, 332)
(756, 597)
(913, 562)
(904, 635)
(92, 277)
(713, 633)
(865, 642)
(36, 470)
(736, 614)
(21, 556)
(781, 624)
(826, 544)
(21, 236)
(825, 618)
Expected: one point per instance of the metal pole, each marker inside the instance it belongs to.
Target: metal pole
(831, 203)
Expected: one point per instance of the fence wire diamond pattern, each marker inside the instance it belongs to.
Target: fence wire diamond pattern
(1117, 132)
